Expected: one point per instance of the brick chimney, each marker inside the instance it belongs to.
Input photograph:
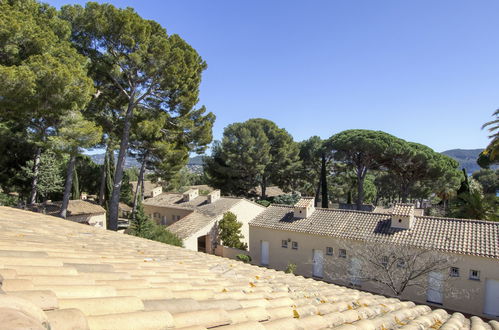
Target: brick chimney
(304, 207)
(403, 216)
(190, 194)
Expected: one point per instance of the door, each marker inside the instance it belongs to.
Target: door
(491, 306)
(264, 260)
(355, 269)
(434, 293)
(318, 263)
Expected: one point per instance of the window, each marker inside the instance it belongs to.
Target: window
(284, 243)
(401, 263)
(329, 251)
(474, 275)
(156, 214)
(384, 261)
(178, 217)
(294, 245)
(454, 272)
(343, 253)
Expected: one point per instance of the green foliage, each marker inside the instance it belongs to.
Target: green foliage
(144, 227)
(88, 174)
(126, 190)
(252, 153)
(50, 177)
(489, 179)
(229, 231)
(185, 178)
(7, 200)
(290, 268)
(287, 199)
(491, 154)
(363, 150)
(148, 73)
(264, 202)
(244, 258)
(473, 205)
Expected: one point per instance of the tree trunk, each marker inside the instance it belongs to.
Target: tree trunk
(67, 186)
(102, 190)
(318, 191)
(34, 182)
(404, 192)
(118, 174)
(360, 187)
(263, 187)
(325, 198)
(75, 188)
(140, 184)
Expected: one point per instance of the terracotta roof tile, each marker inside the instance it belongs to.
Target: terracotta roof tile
(462, 236)
(125, 282)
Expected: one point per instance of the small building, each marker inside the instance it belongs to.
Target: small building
(81, 211)
(151, 189)
(323, 242)
(194, 218)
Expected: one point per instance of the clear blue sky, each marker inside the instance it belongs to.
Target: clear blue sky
(423, 70)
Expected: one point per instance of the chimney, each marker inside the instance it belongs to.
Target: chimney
(213, 196)
(304, 207)
(403, 216)
(190, 194)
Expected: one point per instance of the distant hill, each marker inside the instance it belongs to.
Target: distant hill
(466, 158)
(195, 163)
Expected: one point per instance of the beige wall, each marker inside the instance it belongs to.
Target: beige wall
(245, 211)
(171, 214)
(468, 295)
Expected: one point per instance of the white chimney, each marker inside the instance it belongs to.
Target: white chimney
(190, 194)
(213, 196)
(403, 216)
(304, 207)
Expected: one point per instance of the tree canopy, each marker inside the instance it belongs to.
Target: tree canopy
(253, 153)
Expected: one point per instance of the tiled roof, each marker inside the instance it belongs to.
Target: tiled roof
(403, 209)
(59, 274)
(381, 209)
(75, 207)
(463, 236)
(124, 207)
(149, 186)
(189, 224)
(203, 214)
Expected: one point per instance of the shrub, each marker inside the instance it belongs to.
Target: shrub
(244, 258)
(229, 231)
(7, 200)
(143, 226)
(263, 202)
(291, 268)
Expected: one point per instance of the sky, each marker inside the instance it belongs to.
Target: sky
(423, 70)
